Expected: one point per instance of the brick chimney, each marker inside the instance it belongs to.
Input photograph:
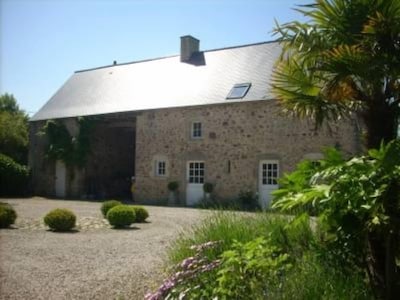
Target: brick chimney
(189, 46)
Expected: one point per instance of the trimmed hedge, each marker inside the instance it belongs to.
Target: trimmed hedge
(14, 177)
(60, 219)
(141, 214)
(121, 216)
(107, 205)
(7, 215)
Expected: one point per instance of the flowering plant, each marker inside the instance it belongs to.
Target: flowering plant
(191, 276)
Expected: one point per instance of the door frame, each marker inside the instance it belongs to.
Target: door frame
(267, 204)
(60, 187)
(187, 177)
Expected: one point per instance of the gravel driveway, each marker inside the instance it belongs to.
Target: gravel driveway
(96, 262)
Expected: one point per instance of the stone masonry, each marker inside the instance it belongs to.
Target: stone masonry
(236, 136)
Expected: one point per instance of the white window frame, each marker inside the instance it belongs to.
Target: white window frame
(196, 131)
(159, 168)
(198, 174)
(270, 175)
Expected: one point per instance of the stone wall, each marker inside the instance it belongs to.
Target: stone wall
(236, 137)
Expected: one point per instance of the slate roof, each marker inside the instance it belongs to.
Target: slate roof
(165, 82)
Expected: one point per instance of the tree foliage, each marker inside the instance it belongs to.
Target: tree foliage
(13, 129)
(14, 178)
(73, 151)
(345, 59)
(349, 197)
(9, 104)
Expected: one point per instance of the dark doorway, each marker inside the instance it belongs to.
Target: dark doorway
(112, 161)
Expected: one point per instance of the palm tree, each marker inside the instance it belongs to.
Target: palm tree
(346, 60)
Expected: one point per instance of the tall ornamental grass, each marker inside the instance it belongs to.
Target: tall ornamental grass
(288, 252)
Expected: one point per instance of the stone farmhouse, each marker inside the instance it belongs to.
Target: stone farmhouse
(201, 116)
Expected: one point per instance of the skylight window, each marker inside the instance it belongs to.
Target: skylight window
(239, 91)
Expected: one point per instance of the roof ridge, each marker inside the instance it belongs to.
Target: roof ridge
(241, 46)
(170, 56)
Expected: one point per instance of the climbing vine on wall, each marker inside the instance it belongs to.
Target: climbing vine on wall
(73, 151)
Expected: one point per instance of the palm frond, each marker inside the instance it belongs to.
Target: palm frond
(302, 91)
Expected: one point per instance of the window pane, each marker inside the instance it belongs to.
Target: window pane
(160, 171)
(269, 173)
(196, 129)
(196, 172)
(238, 91)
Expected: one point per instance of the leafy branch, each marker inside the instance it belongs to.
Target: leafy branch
(73, 151)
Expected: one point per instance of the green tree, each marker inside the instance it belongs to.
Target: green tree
(13, 129)
(9, 104)
(346, 59)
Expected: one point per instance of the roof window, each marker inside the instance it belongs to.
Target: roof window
(239, 91)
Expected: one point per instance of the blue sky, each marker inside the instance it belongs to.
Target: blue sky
(42, 42)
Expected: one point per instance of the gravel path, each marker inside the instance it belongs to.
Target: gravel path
(96, 262)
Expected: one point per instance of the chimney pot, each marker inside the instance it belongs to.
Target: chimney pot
(115, 62)
(189, 46)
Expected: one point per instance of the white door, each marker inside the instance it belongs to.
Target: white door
(195, 181)
(267, 181)
(60, 179)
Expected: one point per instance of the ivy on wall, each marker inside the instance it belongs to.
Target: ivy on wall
(73, 151)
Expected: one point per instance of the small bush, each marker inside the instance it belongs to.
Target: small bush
(141, 213)
(259, 261)
(60, 219)
(7, 215)
(173, 186)
(14, 177)
(248, 200)
(121, 216)
(107, 205)
(208, 187)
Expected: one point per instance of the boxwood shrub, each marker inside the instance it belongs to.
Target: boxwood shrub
(14, 177)
(7, 215)
(60, 219)
(121, 215)
(107, 205)
(141, 214)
